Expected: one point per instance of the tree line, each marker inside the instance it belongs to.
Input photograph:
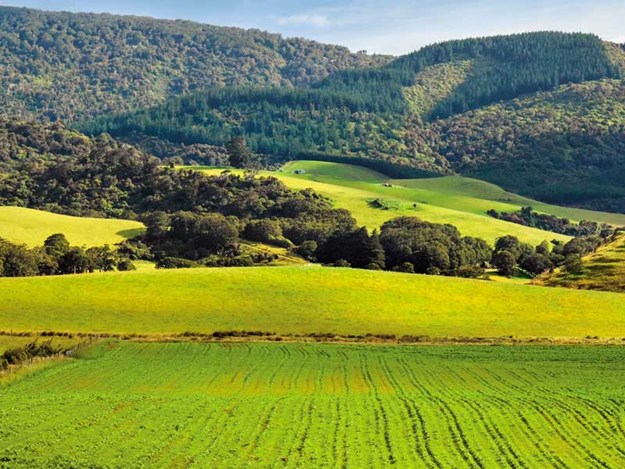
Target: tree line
(19, 355)
(58, 257)
(403, 244)
(544, 221)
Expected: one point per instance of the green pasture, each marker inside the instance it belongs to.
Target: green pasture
(31, 227)
(307, 405)
(463, 202)
(302, 300)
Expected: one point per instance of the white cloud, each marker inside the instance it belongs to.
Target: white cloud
(316, 20)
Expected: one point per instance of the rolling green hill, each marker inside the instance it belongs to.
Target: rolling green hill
(31, 227)
(304, 300)
(460, 201)
(602, 270)
(454, 192)
(218, 367)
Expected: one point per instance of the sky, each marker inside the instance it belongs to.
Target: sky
(386, 27)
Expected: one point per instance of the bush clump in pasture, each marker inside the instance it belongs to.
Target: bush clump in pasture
(18, 355)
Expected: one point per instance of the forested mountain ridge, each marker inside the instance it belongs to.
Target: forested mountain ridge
(366, 111)
(557, 135)
(499, 68)
(538, 113)
(65, 66)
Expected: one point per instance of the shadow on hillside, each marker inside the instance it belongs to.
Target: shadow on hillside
(133, 233)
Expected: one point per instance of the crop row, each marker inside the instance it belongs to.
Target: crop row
(294, 405)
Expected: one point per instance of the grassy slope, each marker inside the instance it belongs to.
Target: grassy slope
(456, 191)
(301, 300)
(457, 200)
(294, 405)
(32, 227)
(603, 270)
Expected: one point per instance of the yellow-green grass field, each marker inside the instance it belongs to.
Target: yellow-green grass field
(310, 405)
(457, 200)
(31, 227)
(303, 300)
(601, 270)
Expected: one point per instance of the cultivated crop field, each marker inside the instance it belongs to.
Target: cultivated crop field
(31, 227)
(305, 405)
(302, 300)
(460, 201)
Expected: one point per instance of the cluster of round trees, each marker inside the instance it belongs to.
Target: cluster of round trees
(57, 257)
(511, 255)
(404, 244)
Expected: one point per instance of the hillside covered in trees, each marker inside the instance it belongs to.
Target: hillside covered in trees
(538, 113)
(493, 69)
(368, 111)
(48, 167)
(66, 66)
(565, 146)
